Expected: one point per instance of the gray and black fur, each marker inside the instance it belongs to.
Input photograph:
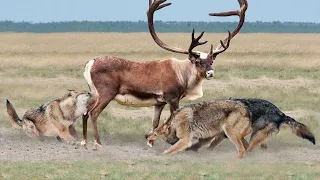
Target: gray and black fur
(265, 113)
(265, 120)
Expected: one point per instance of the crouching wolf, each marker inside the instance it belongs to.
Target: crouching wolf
(210, 122)
(55, 118)
(195, 123)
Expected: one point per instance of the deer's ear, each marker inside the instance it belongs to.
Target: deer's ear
(193, 58)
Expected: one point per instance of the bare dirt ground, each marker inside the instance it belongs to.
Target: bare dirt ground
(16, 146)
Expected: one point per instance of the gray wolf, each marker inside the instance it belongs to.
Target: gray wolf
(55, 118)
(191, 122)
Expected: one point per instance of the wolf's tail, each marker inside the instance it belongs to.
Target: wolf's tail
(299, 129)
(13, 116)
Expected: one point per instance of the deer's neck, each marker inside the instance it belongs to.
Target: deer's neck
(189, 78)
(186, 72)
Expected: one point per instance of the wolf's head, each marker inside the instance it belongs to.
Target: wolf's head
(77, 100)
(163, 131)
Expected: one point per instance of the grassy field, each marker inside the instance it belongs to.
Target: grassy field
(282, 68)
(159, 170)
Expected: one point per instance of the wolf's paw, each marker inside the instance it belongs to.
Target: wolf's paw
(240, 156)
(263, 146)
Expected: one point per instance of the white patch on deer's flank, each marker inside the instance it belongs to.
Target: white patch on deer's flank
(87, 76)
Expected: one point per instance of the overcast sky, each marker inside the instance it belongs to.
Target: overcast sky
(134, 10)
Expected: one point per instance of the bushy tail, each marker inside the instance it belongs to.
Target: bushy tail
(300, 129)
(13, 116)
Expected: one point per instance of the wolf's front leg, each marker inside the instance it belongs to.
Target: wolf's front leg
(179, 146)
(73, 132)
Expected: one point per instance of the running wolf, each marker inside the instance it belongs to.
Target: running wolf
(185, 128)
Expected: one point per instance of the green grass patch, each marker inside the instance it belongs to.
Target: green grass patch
(157, 169)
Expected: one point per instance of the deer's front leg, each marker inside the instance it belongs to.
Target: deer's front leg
(155, 121)
(174, 105)
(156, 115)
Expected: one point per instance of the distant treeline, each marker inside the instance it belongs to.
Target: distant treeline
(161, 26)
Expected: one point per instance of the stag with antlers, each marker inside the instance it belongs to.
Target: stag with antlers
(153, 83)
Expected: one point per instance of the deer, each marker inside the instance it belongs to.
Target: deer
(156, 82)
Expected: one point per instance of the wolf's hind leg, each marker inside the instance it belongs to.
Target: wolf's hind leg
(260, 136)
(245, 143)
(179, 146)
(64, 133)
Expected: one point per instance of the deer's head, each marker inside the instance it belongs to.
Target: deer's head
(202, 61)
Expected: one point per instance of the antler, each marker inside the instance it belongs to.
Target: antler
(195, 42)
(241, 13)
(157, 5)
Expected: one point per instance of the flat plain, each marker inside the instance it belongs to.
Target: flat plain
(36, 68)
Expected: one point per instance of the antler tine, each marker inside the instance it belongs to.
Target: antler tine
(241, 13)
(154, 6)
(195, 42)
(163, 5)
(222, 44)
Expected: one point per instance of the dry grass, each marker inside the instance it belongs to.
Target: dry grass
(73, 49)
(282, 56)
(283, 68)
(38, 67)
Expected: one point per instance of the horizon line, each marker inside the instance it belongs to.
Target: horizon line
(64, 21)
